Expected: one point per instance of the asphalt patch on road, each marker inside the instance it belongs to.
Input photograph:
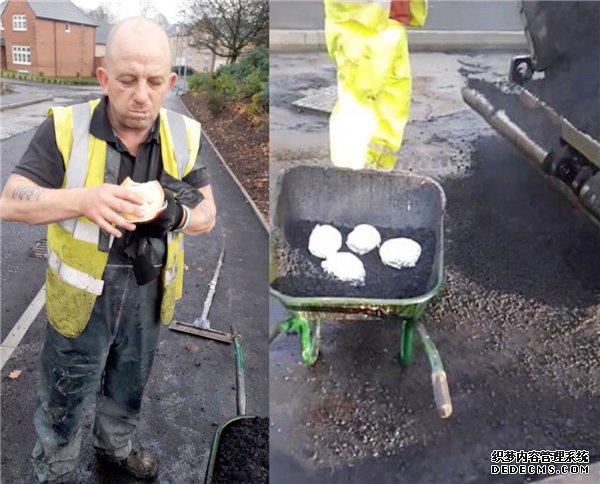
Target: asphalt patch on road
(289, 88)
(296, 84)
(510, 230)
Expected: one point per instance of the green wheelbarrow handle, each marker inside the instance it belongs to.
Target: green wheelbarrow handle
(439, 381)
(240, 404)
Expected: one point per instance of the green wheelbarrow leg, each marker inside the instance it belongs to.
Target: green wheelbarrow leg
(410, 320)
(406, 345)
(310, 335)
(441, 393)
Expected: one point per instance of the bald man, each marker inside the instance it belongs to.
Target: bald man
(109, 281)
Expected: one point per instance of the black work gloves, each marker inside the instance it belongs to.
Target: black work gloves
(143, 269)
(168, 220)
(186, 193)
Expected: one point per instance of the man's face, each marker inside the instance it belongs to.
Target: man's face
(136, 82)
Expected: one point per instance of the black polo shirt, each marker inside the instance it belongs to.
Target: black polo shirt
(43, 164)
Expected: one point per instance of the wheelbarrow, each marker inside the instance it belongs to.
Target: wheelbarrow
(213, 473)
(398, 205)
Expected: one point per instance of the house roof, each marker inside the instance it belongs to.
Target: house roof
(102, 33)
(57, 10)
(63, 11)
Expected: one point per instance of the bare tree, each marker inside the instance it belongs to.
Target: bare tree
(161, 20)
(146, 8)
(226, 27)
(103, 14)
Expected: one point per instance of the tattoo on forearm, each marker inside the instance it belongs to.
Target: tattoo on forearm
(26, 192)
(205, 216)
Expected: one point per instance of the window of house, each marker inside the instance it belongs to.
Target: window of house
(19, 22)
(21, 54)
(67, 27)
(205, 69)
(1, 24)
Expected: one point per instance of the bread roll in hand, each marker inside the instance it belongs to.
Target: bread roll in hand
(154, 199)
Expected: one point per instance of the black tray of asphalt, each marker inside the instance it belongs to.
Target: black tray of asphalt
(300, 273)
(243, 452)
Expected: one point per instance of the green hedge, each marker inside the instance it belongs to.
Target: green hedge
(80, 81)
(247, 78)
(256, 59)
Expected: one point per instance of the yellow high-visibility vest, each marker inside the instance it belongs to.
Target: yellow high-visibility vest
(77, 257)
(370, 50)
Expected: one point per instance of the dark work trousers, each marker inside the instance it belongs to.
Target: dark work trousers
(111, 360)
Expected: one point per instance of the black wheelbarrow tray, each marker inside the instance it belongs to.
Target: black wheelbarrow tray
(226, 430)
(398, 204)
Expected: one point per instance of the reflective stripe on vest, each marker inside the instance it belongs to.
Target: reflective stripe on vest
(86, 232)
(170, 274)
(76, 278)
(180, 142)
(171, 237)
(78, 161)
(77, 169)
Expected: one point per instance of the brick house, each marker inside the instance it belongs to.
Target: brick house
(54, 39)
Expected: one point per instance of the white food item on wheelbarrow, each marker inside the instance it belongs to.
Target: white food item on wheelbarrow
(346, 267)
(324, 240)
(363, 239)
(400, 253)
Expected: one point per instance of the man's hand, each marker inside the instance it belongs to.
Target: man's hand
(104, 204)
(25, 201)
(203, 216)
(170, 219)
